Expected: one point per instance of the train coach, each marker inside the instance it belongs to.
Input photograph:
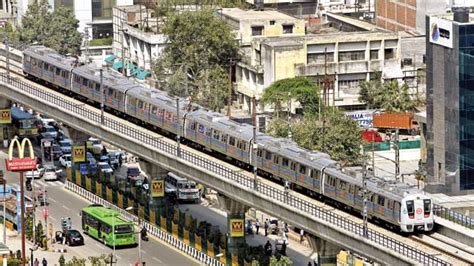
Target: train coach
(399, 205)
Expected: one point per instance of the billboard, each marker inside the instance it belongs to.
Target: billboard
(363, 118)
(441, 32)
(236, 227)
(157, 188)
(6, 116)
(78, 154)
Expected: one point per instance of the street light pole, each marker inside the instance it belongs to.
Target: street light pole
(102, 96)
(254, 145)
(365, 201)
(7, 57)
(139, 235)
(22, 219)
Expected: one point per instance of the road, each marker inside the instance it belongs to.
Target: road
(64, 203)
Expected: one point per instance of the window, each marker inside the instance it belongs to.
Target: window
(110, 91)
(287, 29)
(302, 169)
(216, 135)
(259, 153)
(275, 159)
(140, 104)
(268, 155)
(232, 141)
(374, 54)
(27, 58)
(97, 86)
(389, 53)
(154, 110)
(201, 129)
(381, 201)
(45, 66)
(285, 162)
(272, 22)
(293, 166)
(58, 71)
(351, 56)
(320, 58)
(84, 82)
(257, 30)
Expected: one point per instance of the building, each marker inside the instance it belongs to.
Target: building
(137, 35)
(346, 57)
(450, 105)
(407, 15)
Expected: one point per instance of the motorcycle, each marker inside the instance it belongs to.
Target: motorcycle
(143, 234)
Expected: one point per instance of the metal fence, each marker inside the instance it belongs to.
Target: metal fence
(274, 193)
(453, 216)
(151, 229)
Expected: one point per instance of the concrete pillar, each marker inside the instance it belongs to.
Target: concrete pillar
(235, 225)
(326, 251)
(152, 170)
(5, 103)
(75, 135)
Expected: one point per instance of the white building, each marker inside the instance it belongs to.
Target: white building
(136, 36)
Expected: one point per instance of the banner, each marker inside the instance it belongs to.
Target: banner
(236, 227)
(5, 116)
(157, 188)
(78, 154)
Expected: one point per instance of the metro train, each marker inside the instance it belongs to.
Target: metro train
(403, 207)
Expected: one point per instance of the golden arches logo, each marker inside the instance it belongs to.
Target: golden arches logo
(21, 163)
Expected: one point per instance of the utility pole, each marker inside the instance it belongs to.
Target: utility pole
(397, 155)
(289, 116)
(7, 57)
(22, 219)
(102, 96)
(254, 145)
(229, 91)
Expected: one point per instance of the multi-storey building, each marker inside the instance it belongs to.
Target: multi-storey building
(450, 105)
(342, 58)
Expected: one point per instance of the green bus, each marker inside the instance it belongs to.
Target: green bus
(97, 222)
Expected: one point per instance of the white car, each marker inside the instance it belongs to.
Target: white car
(50, 173)
(36, 174)
(96, 145)
(65, 160)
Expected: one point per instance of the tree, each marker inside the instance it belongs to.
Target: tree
(300, 89)
(76, 262)
(389, 96)
(197, 57)
(57, 30)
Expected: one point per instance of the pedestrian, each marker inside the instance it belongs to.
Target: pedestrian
(310, 264)
(286, 227)
(265, 226)
(257, 225)
(120, 160)
(301, 235)
(36, 263)
(268, 248)
(45, 262)
(287, 186)
(249, 227)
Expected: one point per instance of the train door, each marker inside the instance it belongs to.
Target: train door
(300, 177)
(316, 179)
(396, 212)
(277, 166)
(294, 170)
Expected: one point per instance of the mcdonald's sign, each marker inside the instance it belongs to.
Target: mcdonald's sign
(78, 154)
(5, 116)
(236, 227)
(21, 163)
(157, 188)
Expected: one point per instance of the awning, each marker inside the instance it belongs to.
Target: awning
(110, 58)
(117, 65)
(142, 75)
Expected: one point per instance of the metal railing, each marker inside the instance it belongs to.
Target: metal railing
(453, 216)
(271, 192)
(151, 229)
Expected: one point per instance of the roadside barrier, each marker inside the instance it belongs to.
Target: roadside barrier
(151, 229)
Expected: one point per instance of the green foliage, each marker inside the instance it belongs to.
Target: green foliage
(301, 89)
(389, 96)
(57, 30)
(62, 260)
(101, 42)
(39, 232)
(197, 57)
(99, 261)
(282, 261)
(9, 33)
(76, 262)
(334, 134)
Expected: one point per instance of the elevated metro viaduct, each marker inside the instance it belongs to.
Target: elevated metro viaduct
(154, 149)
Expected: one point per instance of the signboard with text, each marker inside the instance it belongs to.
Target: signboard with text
(21, 163)
(236, 227)
(5, 116)
(78, 154)
(364, 118)
(157, 188)
(441, 32)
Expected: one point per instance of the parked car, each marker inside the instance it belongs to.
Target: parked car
(74, 238)
(105, 168)
(133, 172)
(66, 146)
(36, 174)
(48, 132)
(114, 158)
(90, 158)
(65, 160)
(104, 159)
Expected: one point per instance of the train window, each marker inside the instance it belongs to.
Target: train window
(84, 81)
(410, 208)
(110, 91)
(140, 104)
(333, 181)
(65, 74)
(77, 79)
(215, 134)
(390, 204)
(427, 207)
(58, 71)
(275, 159)
(302, 169)
(285, 162)
(232, 141)
(268, 155)
(224, 138)
(351, 189)
(259, 153)
(372, 198)
(27, 58)
(33, 61)
(381, 201)
(167, 116)
(154, 110)
(201, 129)
(293, 166)
(45, 66)
(161, 112)
(244, 146)
(51, 68)
(208, 132)
(342, 185)
(97, 86)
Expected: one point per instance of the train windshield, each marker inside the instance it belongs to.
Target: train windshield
(427, 207)
(410, 208)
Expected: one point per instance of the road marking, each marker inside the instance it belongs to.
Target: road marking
(65, 207)
(155, 258)
(100, 246)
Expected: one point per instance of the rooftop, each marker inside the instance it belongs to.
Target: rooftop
(243, 15)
